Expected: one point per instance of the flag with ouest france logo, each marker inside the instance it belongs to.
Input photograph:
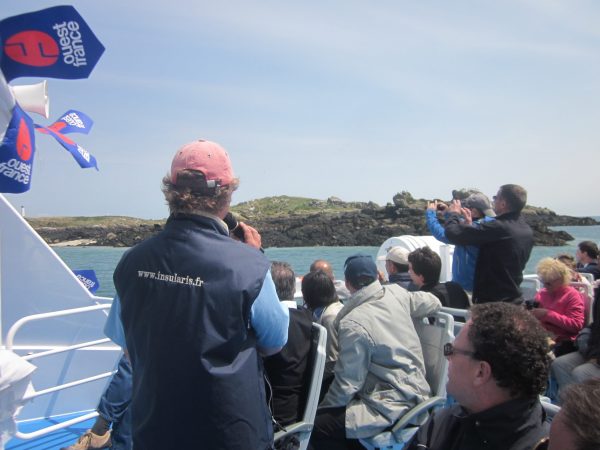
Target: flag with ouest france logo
(88, 278)
(54, 42)
(16, 153)
(72, 122)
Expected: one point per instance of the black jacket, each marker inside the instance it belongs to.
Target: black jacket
(287, 371)
(591, 268)
(504, 248)
(518, 424)
(450, 294)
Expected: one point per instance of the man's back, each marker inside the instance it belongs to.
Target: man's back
(505, 245)
(380, 372)
(197, 372)
(287, 371)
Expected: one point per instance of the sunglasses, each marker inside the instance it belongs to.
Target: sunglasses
(450, 349)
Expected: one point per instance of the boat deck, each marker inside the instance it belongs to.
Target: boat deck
(55, 440)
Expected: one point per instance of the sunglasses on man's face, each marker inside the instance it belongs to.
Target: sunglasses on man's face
(450, 349)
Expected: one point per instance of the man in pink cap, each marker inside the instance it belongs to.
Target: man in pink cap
(198, 310)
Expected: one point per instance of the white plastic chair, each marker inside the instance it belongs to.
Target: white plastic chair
(433, 337)
(588, 299)
(303, 429)
(588, 276)
(459, 315)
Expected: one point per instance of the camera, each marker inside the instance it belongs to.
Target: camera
(233, 225)
(530, 304)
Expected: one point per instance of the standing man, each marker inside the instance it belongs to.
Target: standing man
(198, 309)
(497, 368)
(380, 373)
(504, 246)
(477, 209)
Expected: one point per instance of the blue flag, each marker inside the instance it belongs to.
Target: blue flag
(72, 122)
(88, 278)
(16, 153)
(54, 42)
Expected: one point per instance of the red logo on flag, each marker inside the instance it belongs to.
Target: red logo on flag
(32, 48)
(23, 141)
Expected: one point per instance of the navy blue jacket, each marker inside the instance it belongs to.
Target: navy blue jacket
(504, 248)
(186, 296)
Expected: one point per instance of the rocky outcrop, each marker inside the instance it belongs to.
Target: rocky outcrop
(350, 224)
(100, 235)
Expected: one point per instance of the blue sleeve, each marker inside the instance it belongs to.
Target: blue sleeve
(269, 317)
(113, 329)
(435, 228)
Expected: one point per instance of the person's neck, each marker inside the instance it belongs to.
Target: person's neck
(487, 399)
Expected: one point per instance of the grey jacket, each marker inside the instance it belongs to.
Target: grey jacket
(379, 374)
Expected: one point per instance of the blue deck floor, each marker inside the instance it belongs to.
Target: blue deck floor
(55, 440)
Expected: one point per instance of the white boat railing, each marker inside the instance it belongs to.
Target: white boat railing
(10, 338)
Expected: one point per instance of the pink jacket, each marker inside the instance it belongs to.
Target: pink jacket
(566, 312)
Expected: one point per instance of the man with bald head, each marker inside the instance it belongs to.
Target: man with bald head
(325, 267)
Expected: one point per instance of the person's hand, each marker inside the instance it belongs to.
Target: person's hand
(251, 236)
(539, 313)
(432, 206)
(455, 207)
(466, 212)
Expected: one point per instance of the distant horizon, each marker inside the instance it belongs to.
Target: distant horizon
(593, 216)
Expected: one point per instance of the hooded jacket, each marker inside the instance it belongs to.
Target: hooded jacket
(380, 373)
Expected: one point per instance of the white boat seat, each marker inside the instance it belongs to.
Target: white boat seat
(303, 429)
(433, 334)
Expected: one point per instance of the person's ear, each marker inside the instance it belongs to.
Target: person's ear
(483, 373)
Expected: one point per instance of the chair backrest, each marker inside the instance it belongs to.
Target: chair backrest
(550, 409)
(587, 292)
(530, 285)
(316, 366)
(589, 276)
(433, 336)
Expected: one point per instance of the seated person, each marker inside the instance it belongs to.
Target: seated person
(583, 364)
(396, 265)
(325, 266)
(575, 425)
(560, 307)
(380, 372)
(497, 368)
(425, 267)
(287, 371)
(321, 299)
(587, 258)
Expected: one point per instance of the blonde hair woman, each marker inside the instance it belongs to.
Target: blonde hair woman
(560, 308)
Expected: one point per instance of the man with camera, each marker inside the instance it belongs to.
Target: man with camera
(198, 310)
(504, 246)
(476, 208)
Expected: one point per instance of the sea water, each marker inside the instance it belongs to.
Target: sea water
(104, 259)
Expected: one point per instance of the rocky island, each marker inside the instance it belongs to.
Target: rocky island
(298, 222)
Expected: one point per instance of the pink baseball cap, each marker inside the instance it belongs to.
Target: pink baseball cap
(204, 156)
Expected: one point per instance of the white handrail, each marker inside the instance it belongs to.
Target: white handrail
(66, 348)
(19, 323)
(67, 385)
(58, 426)
(10, 343)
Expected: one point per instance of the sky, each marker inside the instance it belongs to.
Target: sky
(353, 99)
